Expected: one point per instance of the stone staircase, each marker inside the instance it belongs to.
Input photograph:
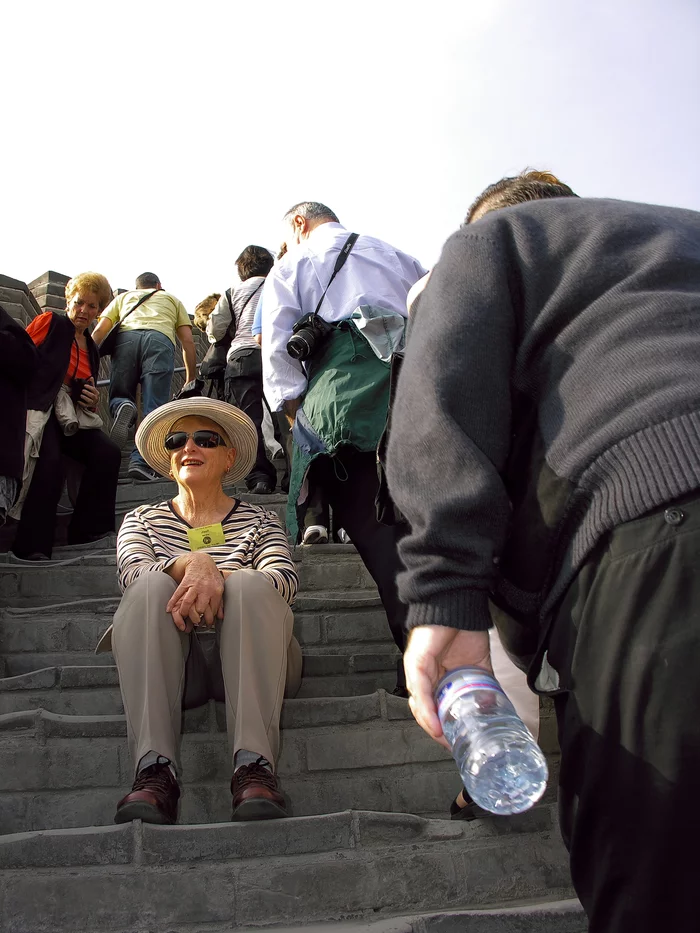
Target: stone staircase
(368, 846)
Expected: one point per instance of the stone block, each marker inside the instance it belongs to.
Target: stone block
(360, 626)
(347, 685)
(73, 809)
(376, 661)
(358, 747)
(36, 680)
(323, 711)
(363, 789)
(307, 628)
(40, 767)
(89, 676)
(225, 841)
(343, 883)
(14, 813)
(329, 575)
(108, 845)
(59, 726)
(323, 665)
(85, 900)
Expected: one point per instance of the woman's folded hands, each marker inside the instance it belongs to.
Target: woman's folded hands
(198, 599)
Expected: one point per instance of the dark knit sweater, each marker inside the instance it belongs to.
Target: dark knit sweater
(551, 391)
(17, 363)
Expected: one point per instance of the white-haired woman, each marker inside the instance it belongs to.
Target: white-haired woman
(208, 582)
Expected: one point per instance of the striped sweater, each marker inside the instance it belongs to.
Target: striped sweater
(152, 537)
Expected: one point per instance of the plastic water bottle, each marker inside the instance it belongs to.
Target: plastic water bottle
(503, 768)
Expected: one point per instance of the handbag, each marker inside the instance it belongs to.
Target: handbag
(109, 344)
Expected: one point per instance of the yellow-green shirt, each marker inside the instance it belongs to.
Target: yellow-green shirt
(162, 312)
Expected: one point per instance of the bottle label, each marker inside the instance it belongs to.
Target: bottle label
(464, 680)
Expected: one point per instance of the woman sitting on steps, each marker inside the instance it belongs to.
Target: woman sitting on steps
(208, 582)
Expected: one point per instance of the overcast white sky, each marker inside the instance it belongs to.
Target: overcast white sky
(166, 136)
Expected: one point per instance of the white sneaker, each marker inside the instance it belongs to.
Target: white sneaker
(315, 534)
(124, 420)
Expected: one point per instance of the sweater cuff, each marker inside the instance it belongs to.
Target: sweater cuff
(462, 609)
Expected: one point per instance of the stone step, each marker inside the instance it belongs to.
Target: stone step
(229, 876)
(366, 753)
(88, 688)
(90, 575)
(543, 916)
(350, 625)
(358, 753)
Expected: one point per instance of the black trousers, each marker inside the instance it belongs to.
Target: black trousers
(243, 388)
(626, 643)
(349, 484)
(94, 508)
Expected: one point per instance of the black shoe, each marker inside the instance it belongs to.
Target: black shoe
(153, 798)
(144, 474)
(467, 812)
(262, 488)
(400, 691)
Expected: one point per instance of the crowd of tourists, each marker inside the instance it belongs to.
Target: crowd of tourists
(512, 444)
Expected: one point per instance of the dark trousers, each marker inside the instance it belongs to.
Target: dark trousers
(94, 508)
(243, 388)
(626, 643)
(349, 485)
(146, 357)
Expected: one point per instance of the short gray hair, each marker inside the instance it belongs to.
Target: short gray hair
(312, 210)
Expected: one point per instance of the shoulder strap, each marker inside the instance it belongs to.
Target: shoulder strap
(339, 263)
(141, 300)
(229, 295)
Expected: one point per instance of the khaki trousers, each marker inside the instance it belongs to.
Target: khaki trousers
(160, 667)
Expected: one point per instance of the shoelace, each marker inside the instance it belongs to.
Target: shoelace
(157, 778)
(255, 772)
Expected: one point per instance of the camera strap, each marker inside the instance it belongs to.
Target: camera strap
(339, 263)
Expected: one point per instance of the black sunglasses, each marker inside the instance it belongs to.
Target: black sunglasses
(203, 438)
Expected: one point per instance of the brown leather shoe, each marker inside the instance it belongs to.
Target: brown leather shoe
(255, 794)
(153, 798)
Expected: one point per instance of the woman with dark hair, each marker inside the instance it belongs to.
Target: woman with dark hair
(232, 319)
(66, 356)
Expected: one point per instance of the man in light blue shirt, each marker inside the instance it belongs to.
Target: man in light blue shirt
(375, 274)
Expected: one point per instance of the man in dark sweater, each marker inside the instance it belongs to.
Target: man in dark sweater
(554, 363)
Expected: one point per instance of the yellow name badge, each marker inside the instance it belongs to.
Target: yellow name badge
(206, 536)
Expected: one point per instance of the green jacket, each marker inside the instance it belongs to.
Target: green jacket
(346, 403)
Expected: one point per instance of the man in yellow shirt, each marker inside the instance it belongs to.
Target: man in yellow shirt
(151, 322)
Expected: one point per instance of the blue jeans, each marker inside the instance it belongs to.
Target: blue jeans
(146, 357)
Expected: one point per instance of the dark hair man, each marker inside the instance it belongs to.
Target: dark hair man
(335, 443)
(152, 320)
(553, 367)
(230, 324)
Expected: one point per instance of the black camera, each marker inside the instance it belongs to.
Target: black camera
(308, 336)
(76, 390)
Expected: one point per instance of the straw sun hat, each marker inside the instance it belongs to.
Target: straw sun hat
(237, 426)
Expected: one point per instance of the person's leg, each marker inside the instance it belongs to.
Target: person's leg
(93, 515)
(255, 637)
(349, 482)
(626, 644)
(150, 654)
(37, 525)
(245, 391)
(126, 370)
(157, 362)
